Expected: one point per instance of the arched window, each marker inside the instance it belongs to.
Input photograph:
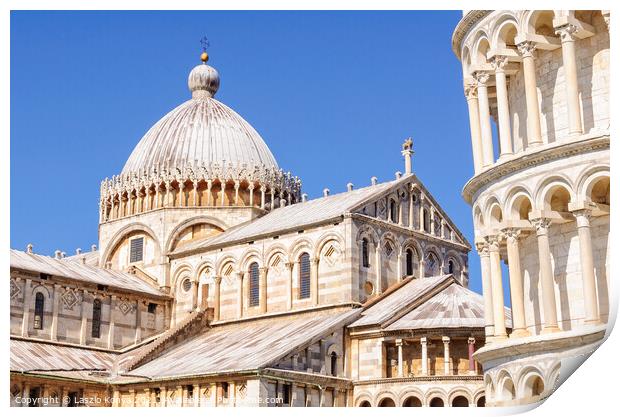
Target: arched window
(451, 267)
(393, 211)
(364, 404)
(304, 275)
(409, 262)
(427, 221)
(365, 258)
(334, 363)
(254, 284)
(39, 306)
(96, 330)
(431, 268)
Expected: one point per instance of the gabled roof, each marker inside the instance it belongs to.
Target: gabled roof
(295, 216)
(89, 258)
(244, 346)
(27, 356)
(452, 307)
(399, 301)
(81, 272)
(437, 302)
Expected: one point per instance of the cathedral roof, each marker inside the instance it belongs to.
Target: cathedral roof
(200, 133)
(245, 346)
(75, 270)
(295, 216)
(427, 303)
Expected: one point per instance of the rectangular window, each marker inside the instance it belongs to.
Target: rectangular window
(136, 250)
(152, 308)
(304, 276)
(286, 394)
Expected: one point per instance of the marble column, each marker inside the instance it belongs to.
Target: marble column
(27, 303)
(424, 360)
(378, 279)
(262, 289)
(112, 322)
(217, 281)
(195, 284)
(289, 286)
(314, 281)
(587, 267)
(485, 119)
(471, 348)
(196, 395)
(195, 193)
(534, 136)
(240, 294)
(550, 324)
(399, 345)
(26, 393)
(485, 271)
(139, 305)
(497, 288)
(569, 61)
(237, 193)
(411, 208)
(251, 189)
(84, 318)
(516, 282)
(55, 301)
(503, 113)
(209, 196)
(446, 355)
(471, 93)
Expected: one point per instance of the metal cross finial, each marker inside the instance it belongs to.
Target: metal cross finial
(204, 41)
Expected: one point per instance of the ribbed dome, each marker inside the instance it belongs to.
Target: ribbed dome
(200, 132)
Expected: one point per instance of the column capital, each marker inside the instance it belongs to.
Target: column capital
(511, 234)
(541, 224)
(471, 91)
(583, 216)
(445, 339)
(471, 341)
(481, 77)
(499, 63)
(263, 269)
(483, 248)
(289, 265)
(493, 242)
(423, 340)
(217, 279)
(567, 32)
(526, 48)
(399, 342)
(240, 274)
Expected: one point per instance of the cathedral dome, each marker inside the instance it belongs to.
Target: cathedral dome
(200, 132)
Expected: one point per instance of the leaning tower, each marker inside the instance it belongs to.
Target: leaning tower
(537, 90)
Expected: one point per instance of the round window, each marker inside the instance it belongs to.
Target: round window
(368, 288)
(187, 285)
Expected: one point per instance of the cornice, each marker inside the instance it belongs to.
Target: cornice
(533, 159)
(477, 378)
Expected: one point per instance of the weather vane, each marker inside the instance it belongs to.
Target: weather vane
(204, 41)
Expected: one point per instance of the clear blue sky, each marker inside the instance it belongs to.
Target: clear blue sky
(332, 93)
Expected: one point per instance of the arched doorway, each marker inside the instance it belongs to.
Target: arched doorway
(387, 402)
(481, 402)
(460, 401)
(412, 402)
(436, 402)
(364, 404)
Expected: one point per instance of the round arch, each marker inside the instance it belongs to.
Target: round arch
(193, 221)
(588, 179)
(250, 255)
(325, 239)
(505, 387)
(518, 203)
(433, 395)
(502, 32)
(530, 382)
(542, 188)
(386, 399)
(460, 392)
(410, 393)
(299, 246)
(118, 237)
(363, 399)
(223, 261)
